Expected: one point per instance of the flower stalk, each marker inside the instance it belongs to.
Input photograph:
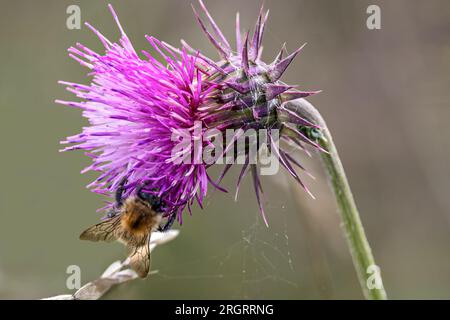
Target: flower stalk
(360, 251)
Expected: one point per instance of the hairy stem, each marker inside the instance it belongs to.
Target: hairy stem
(366, 269)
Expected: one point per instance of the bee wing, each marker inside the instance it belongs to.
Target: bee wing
(103, 231)
(140, 258)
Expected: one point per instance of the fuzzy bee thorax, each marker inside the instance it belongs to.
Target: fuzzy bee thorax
(138, 217)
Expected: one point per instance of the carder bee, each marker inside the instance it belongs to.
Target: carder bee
(132, 222)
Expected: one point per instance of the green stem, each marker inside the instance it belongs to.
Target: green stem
(367, 271)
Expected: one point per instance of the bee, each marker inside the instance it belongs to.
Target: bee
(131, 222)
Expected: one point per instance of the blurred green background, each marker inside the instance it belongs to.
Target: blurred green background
(386, 99)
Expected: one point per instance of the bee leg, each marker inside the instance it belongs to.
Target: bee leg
(119, 192)
(111, 214)
(168, 224)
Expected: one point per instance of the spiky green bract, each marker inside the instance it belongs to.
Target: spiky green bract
(251, 94)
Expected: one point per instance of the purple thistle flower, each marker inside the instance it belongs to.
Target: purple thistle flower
(134, 106)
(251, 95)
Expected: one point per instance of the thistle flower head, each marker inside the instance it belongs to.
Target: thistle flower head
(251, 95)
(134, 106)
